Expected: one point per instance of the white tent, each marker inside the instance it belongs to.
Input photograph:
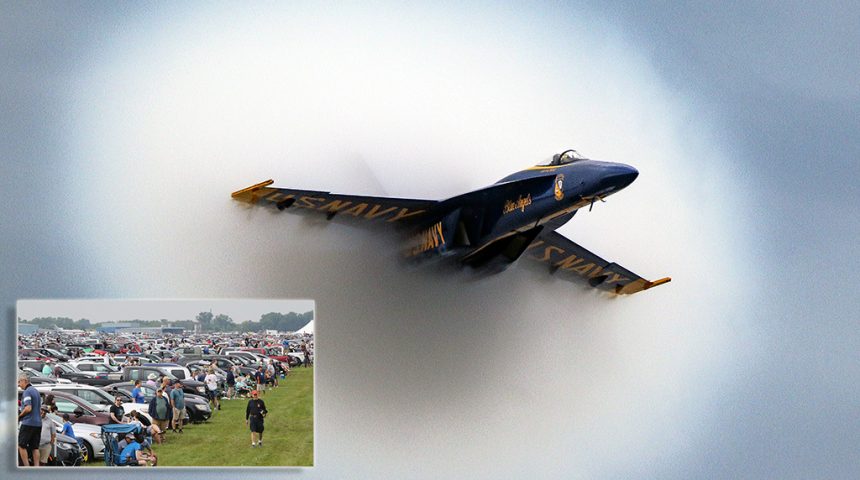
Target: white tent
(309, 328)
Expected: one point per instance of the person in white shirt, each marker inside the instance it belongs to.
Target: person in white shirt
(211, 381)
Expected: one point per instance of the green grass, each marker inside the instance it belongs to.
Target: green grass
(225, 440)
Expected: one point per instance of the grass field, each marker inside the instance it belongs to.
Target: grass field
(225, 439)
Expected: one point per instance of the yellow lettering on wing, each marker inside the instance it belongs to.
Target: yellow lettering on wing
(357, 210)
(569, 262)
(374, 212)
(308, 202)
(335, 205)
(616, 278)
(582, 270)
(403, 214)
(547, 253)
(429, 239)
(278, 196)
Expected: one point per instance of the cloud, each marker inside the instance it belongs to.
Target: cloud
(427, 369)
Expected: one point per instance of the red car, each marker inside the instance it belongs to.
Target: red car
(78, 409)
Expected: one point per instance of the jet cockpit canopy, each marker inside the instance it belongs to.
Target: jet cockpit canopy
(563, 158)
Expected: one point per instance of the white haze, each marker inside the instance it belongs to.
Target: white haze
(425, 373)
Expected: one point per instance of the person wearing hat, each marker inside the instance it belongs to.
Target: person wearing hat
(150, 381)
(255, 412)
(132, 453)
(128, 438)
(47, 437)
(31, 421)
(160, 410)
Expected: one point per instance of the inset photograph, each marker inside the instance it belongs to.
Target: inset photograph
(166, 383)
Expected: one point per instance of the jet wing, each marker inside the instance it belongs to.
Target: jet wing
(569, 260)
(399, 211)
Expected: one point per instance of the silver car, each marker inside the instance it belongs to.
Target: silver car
(89, 436)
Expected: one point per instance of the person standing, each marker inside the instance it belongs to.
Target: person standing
(211, 381)
(47, 437)
(306, 361)
(255, 412)
(270, 373)
(160, 410)
(260, 378)
(67, 427)
(137, 393)
(150, 381)
(116, 411)
(31, 422)
(177, 401)
(231, 382)
(50, 402)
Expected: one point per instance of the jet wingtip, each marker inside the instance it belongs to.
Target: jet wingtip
(657, 283)
(252, 188)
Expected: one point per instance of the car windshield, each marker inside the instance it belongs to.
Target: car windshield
(100, 367)
(94, 395)
(77, 400)
(563, 158)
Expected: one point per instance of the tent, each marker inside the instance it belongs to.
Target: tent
(309, 328)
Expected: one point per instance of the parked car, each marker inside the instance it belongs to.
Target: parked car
(80, 410)
(42, 381)
(54, 353)
(89, 437)
(196, 406)
(223, 362)
(130, 374)
(178, 371)
(34, 354)
(105, 371)
(98, 397)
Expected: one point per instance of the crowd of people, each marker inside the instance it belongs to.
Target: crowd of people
(165, 411)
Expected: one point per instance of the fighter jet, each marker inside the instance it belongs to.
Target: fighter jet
(489, 228)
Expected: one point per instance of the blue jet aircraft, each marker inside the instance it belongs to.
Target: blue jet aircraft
(492, 227)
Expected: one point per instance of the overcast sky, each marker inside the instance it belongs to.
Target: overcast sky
(123, 128)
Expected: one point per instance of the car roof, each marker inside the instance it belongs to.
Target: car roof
(46, 386)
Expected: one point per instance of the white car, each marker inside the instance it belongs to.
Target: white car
(90, 437)
(98, 367)
(96, 358)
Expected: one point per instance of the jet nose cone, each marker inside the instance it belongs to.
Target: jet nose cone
(621, 175)
(629, 175)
